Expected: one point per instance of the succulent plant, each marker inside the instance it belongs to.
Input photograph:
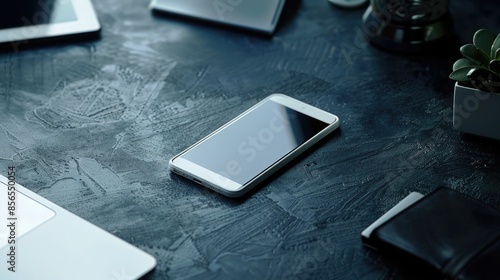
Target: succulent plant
(480, 66)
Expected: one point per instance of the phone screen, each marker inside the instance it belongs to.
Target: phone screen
(249, 145)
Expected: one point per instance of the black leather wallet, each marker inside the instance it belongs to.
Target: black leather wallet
(450, 233)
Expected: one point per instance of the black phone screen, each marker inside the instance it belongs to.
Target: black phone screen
(248, 146)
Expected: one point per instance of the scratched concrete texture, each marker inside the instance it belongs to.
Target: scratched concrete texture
(91, 125)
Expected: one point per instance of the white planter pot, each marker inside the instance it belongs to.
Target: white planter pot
(476, 112)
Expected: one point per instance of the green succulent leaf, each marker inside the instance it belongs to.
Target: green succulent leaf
(483, 75)
(463, 62)
(495, 66)
(497, 55)
(495, 47)
(460, 75)
(484, 79)
(483, 40)
(473, 53)
(487, 86)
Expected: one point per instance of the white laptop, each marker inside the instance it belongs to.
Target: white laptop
(257, 15)
(40, 240)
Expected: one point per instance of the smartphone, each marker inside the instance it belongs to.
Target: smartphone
(242, 153)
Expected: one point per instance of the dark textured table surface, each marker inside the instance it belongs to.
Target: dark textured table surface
(91, 126)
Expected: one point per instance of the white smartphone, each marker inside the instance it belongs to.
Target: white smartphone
(239, 155)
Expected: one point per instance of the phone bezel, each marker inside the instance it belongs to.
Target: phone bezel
(231, 188)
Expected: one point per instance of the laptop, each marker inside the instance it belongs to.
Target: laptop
(40, 240)
(256, 15)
